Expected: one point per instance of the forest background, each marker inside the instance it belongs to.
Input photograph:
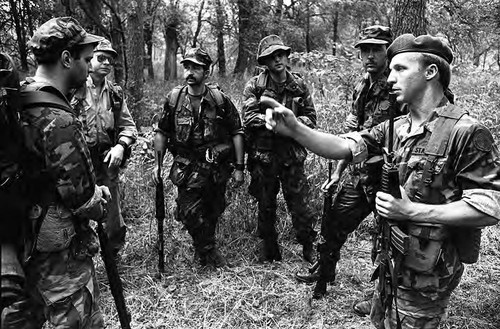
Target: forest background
(151, 36)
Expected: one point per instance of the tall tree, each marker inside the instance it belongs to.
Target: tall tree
(171, 23)
(251, 24)
(135, 47)
(149, 27)
(199, 23)
(19, 12)
(219, 30)
(409, 17)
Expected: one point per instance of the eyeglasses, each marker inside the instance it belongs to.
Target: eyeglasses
(102, 58)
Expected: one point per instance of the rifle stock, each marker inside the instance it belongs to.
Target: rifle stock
(115, 283)
(160, 214)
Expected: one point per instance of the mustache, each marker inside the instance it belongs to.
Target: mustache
(189, 77)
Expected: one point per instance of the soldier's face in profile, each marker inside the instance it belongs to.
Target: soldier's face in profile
(277, 61)
(194, 74)
(408, 77)
(374, 57)
(80, 66)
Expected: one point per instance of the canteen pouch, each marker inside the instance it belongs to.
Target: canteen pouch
(180, 171)
(57, 230)
(425, 247)
(467, 241)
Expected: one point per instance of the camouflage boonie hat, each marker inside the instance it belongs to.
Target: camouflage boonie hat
(375, 34)
(422, 44)
(198, 56)
(105, 45)
(269, 45)
(58, 34)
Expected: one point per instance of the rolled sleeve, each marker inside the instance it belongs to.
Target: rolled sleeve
(357, 145)
(486, 201)
(126, 125)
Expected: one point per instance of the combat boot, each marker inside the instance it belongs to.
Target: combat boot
(271, 251)
(214, 258)
(308, 252)
(319, 289)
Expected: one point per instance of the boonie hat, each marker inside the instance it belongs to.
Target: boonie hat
(422, 44)
(198, 56)
(375, 34)
(105, 45)
(58, 34)
(269, 45)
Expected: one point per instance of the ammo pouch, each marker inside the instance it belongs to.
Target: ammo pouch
(467, 241)
(56, 230)
(425, 246)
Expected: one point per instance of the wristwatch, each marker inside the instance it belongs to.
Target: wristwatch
(122, 143)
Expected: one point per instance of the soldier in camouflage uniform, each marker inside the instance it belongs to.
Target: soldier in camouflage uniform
(276, 159)
(355, 199)
(60, 274)
(109, 132)
(443, 156)
(202, 129)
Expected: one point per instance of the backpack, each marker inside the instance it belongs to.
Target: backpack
(13, 204)
(179, 93)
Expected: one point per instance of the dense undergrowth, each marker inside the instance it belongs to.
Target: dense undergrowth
(250, 294)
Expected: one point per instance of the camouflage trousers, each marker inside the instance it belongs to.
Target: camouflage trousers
(114, 224)
(350, 208)
(62, 291)
(417, 309)
(264, 186)
(200, 201)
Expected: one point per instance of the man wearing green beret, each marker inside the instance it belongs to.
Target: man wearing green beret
(61, 285)
(441, 155)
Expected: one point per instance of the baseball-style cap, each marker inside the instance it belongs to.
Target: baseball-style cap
(422, 44)
(198, 56)
(58, 34)
(105, 45)
(375, 34)
(269, 45)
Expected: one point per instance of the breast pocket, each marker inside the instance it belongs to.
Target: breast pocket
(183, 129)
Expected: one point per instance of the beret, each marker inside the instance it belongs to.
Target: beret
(426, 43)
(376, 34)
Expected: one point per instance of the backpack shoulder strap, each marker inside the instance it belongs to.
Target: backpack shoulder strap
(438, 144)
(216, 95)
(34, 98)
(175, 96)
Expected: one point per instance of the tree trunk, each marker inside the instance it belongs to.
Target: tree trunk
(199, 22)
(172, 44)
(148, 39)
(308, 27)
(335, 23)
(409, 17)
(135, 47)
(20, 33)
(244, 29)
(221, 54)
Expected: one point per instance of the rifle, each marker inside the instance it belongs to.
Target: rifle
(115, 282)
(392, 241)
(160, 214)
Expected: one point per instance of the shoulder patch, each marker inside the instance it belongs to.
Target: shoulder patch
(483, 140)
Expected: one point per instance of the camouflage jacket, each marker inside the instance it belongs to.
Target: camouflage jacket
(62, 182)
(471, 155)
(371, 103)
(294, 94)
(214, 123)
